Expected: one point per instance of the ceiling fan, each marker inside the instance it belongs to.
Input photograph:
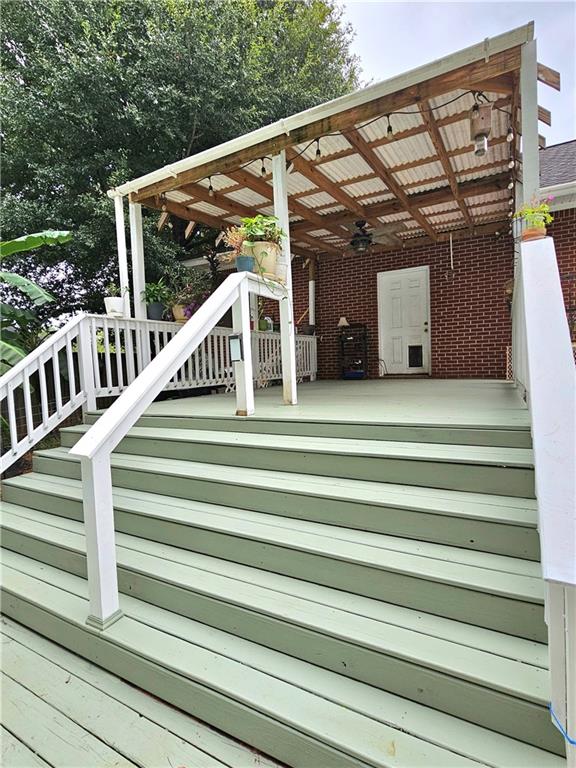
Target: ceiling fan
(363, 238)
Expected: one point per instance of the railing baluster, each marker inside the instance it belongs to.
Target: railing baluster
(95, 362)
(118, 345)
(70, 364)
(12, 421)
(43, 391)
(57, 384)
(107, 359)
(129, 345)
(28, 406)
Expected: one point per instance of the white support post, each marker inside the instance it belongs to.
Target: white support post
(243, 369)
(529, 107)
(312, 291)
(86, 366)
(100, 541)
(287, 331)
(137, 248)
(122, 253)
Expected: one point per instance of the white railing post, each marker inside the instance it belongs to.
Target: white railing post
(86, 365)
(100, 541)
(137, 248)
(287, 330)
(122, 253)
(243, 369)
(529, 116)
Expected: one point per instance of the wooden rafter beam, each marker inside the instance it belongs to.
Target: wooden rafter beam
(478, 71)
(548, 76)
(325, 184)
(308, 214)
(544, 115)
(473, 188)
(439, 146)
(378, 166)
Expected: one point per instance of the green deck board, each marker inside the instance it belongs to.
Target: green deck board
(487, 747)
(15, 754)
(349, 738)
(226, 751)
(122, 728)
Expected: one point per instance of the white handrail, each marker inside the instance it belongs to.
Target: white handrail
(95, 447)
(545, 367)
(37, 426)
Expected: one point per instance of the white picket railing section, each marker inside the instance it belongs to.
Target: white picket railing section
(95, 356)
(544, 368)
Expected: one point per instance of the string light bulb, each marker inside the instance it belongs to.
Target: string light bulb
(389, 131)
(318, 152)
(475, 109)
(262, 168)
(509, 135)
(511, 184)
(210, 187)
(511, 163)
(510, 201)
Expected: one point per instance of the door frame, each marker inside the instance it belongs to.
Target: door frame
(380, 301)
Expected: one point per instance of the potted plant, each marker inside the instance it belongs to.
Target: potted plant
(189, 297)
(235, 238)
(535, 215)
(114, 301)
(156, 295)
(262, 238)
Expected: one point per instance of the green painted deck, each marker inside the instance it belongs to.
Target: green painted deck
(457, 402)
(60, 710)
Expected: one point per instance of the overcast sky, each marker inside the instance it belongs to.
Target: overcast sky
(392, 37)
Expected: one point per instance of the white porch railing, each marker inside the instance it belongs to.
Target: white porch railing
(95, 356)
(544, 368)
(96, 446)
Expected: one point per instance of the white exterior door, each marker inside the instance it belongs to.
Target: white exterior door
(403, 321)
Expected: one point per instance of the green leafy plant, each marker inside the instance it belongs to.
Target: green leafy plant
(21, 328)
(156, 293)
(194, 293)
(261, 228)
(536, 213)
(113, 290)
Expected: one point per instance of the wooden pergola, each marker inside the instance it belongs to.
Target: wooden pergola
(397, 155)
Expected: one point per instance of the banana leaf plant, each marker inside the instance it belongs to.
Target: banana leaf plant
(19, 327)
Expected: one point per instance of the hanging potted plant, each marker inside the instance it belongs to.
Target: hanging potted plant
(114, 301)
(535, 215)
(156, 295)
(262, 239)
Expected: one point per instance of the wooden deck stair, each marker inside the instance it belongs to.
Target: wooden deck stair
(334, 595)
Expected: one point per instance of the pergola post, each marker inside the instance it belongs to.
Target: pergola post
(122, 253)
(137, 249)
(529, 106)
(312, 266)
(287, 330)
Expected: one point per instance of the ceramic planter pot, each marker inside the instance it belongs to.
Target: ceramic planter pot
(178, 312)
(533, 233)
(114, 306)
(244, 263)
(266, 257)
(155, 310)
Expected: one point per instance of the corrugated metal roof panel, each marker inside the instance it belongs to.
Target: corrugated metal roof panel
(315, 201)
(450, 205)
(399, 122)
(391, 217)
(247, 197)
(420, 173)
(331, 209)
(425, 186)
(406, 150)
(367, 187)
(179, 197)
(373, 199)
(218, 182)
(329, 145)
(298, 183)
(346, 168)
(212, 210)
(443, 218)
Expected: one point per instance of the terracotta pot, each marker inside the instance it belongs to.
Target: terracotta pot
(533, 233)
(266, 257)
(178, 312)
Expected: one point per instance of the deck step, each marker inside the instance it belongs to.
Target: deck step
(499, 688)
(287, 707)
(491, 591)
(478, 469)
(422, 432)
(487, 522)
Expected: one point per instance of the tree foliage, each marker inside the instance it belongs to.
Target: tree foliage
(96, 92)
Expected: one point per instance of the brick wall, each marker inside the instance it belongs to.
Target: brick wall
(470, 320)
(563, 230)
